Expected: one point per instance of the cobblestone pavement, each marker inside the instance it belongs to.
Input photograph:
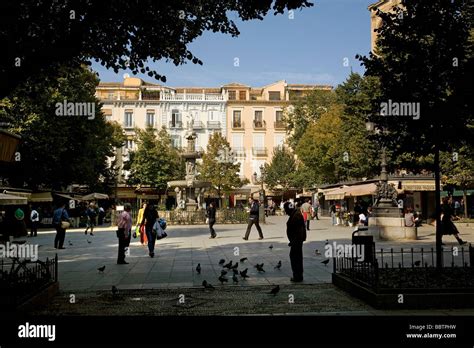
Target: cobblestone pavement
(178, 255)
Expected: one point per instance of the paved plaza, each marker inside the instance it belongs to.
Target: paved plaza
(178, 255)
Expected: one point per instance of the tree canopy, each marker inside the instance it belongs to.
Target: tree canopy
(280, 172)
(155, 161)
(42, 35)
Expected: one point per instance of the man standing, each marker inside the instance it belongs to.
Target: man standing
(59, 216)
(306, 211)
(296, 232)
(253, 219)
(150, 215)
(211, 217)
(124, 226)
(332, 211)
(34, 217)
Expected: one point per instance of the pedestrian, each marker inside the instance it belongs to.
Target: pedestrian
(150, 215)
(253, 219)
(409, 218)
(316, 210)
(91, 213)
(211, 218)
(124, 230)
(141, 231)
(362, 219)
(306, 211)
(34, 217)
(332, 211)
(101, 216)
(60, 223)
(457, 208)
(447, 225)
(296, 233)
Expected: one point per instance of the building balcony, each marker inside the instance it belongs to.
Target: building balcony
(239, 151)
(213, 125)
(128, 127)
(238, 125)
(176, 125)
(280, 125)
(198, 125)
(191, 97)
(259, 151)
(259, 125)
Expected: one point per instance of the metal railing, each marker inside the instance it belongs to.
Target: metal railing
(238, 125)
(213, 124)
(279, 125)
(259, 124)
(259, 151)
(176, 124)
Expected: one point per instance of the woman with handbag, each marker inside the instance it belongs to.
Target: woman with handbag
(60, 223)
(150, 215)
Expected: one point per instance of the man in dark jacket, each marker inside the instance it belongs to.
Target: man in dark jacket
(211, 216)
(253, 219)
(296, 232)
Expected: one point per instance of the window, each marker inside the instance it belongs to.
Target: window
(274, 95)
(129, 144)
(176, 141)
(258, 119)
(175, 118)
(279, 116)
(237, 119)
(279, 140)
(150, 119)
(232, 95)
(128, 122)
(111, 95)
(243, 95)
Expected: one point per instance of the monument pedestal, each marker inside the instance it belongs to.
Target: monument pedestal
(387, 223)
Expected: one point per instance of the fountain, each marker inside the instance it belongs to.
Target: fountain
(189, 192)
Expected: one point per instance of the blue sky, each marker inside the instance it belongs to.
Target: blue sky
(307, 49)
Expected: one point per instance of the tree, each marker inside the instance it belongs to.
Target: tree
(281, 170)
(424, 57)
(43, 35)
(218, 166)
(457, 168)
(155, 161)
(56, 151)
(305, 112)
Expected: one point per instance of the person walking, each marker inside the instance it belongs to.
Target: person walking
(150, 215)
(141, 211)
(316, 210)
(410, 218)
(34, 217)
(447, 225)
(60, 215)
(211, 217)
(253, 219)
(296, 233)
(124, 229)
(306, 209)
(91, 213)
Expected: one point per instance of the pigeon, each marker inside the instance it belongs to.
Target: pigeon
(243, 259)
(234, 279)
(207, 285)
(417, 263)
(278, 266)
(223, 279)
(236, 271)
(69, 242)
(235, 266)
(325, 262)
(260, 268)
(229, 265)
(221, 262)
(270, 247)
(114, 290)
(317, 252)
(223, 272)
(198, 268)
(89, 241)
(275, 290)
(101, 269)
(243, 273)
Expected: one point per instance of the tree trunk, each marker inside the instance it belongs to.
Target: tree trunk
(439, 236)
(464, 197)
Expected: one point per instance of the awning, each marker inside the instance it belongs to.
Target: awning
(78, 198)
(458, 193)
(41, 197)
(6, 199)
(95, 195)
(360, 190)
(18, 193)
(334, 193)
